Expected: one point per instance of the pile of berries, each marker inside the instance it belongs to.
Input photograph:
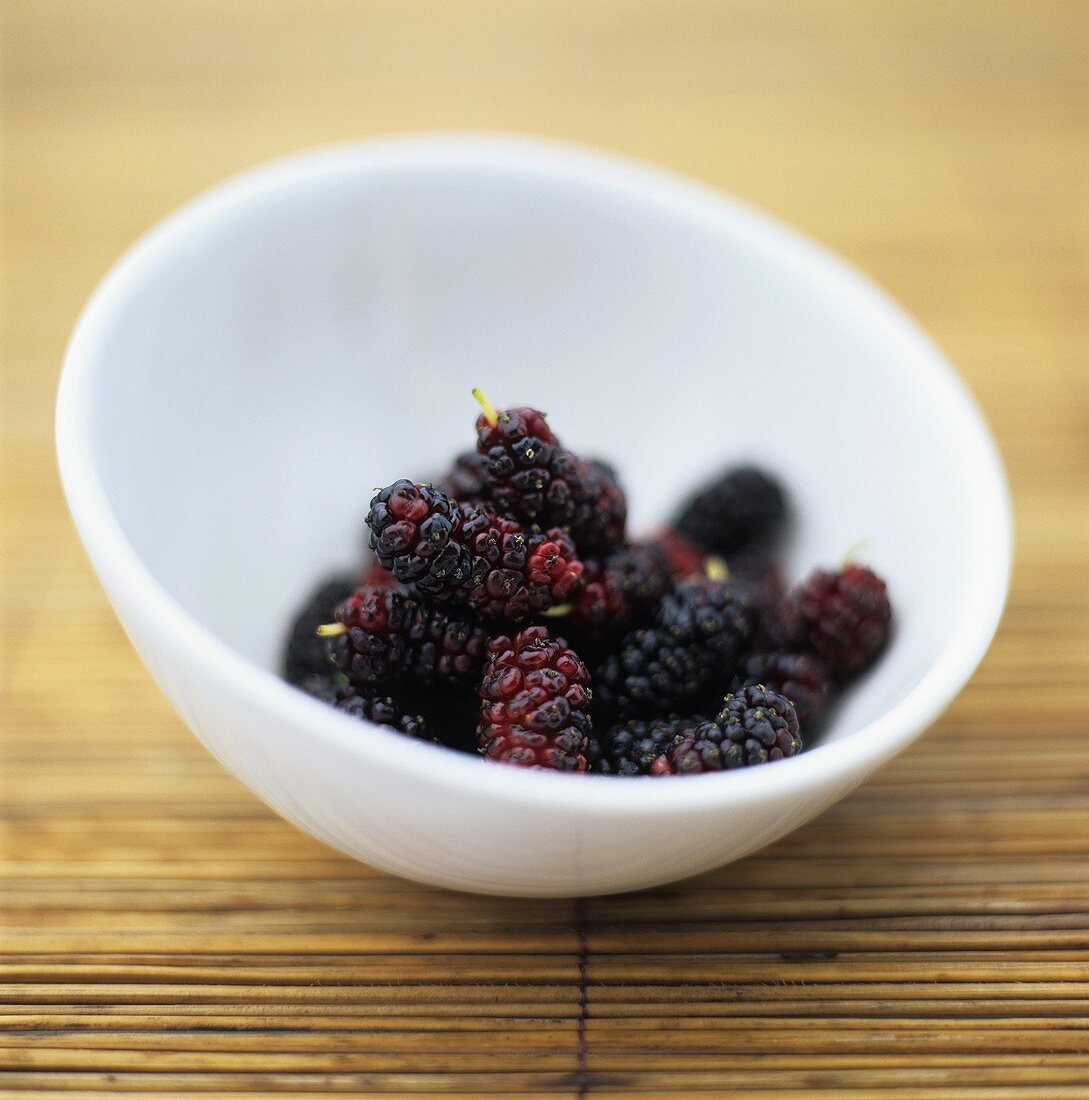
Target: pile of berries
(505, 611)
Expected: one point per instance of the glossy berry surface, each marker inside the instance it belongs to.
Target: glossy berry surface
(468, 554)
(535, 703)
(515, 574)
(416, 535)
(698, 634)
(638, 747)
(533, 478)
(754, 726)
(392, 636)
(518, 451)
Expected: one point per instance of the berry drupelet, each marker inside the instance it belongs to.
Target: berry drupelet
(518, 451)
(638, 747)
(305, 655)
(622, 589)
(515, 575)
(415, 534)
(743, 506)
(755, 726)
(844, 618)
(535, 703)
(466, 553)
(532, 477)
(698, 634)
(383, 635)
(801, 677)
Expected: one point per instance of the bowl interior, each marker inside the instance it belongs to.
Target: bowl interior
(292, 352)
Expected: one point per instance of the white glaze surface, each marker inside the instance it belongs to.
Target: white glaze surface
(252, 369)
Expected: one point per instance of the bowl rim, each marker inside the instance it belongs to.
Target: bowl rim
(853, 755)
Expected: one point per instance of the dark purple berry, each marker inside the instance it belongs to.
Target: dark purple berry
(755, 726)
(391, 636)
(698, 634)
(801, 677)
(306, 655)
(467, 554)
(533, 478)
(844, 618)
(743, 506)
(638, 747)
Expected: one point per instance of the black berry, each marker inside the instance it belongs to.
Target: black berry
(755, 726)
(305, 655)
(638, 747)
(743, 506)
(801, 677)
(533, 478)
(698, 634)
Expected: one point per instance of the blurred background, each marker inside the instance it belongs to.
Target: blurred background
(942, 147)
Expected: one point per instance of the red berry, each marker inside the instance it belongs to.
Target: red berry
(844, 618)
(514, 574)
(535, 702)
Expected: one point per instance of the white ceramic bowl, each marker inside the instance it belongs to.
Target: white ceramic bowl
(254, 367)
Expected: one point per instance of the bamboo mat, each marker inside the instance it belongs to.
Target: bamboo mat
(162, 932)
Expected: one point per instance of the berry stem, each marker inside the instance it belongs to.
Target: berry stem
(331, 630)
(716, 568)
(490, 414)
(853, 552)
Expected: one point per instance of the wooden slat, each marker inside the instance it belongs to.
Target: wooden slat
(161, 932)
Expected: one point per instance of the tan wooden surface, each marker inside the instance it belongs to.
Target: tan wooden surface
(161, 931)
